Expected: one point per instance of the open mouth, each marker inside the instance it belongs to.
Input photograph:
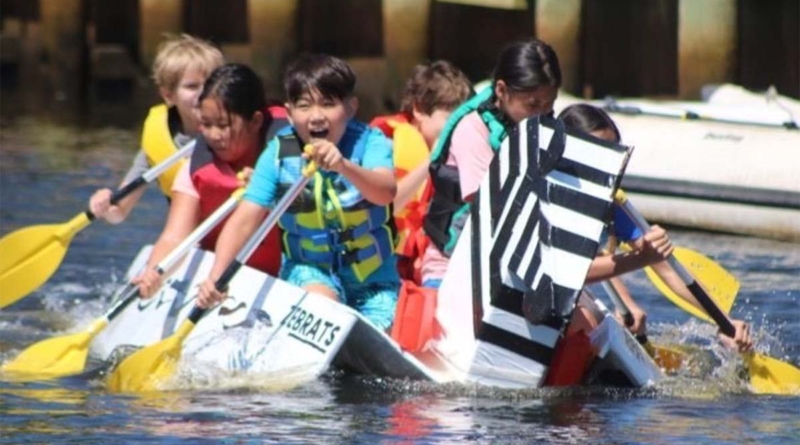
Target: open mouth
(318, 134)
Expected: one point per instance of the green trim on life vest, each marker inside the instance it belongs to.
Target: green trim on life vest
(356, 234)
(497, 131)
(455, 228)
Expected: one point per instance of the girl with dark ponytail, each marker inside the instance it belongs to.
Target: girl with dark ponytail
(525, 84)
(596, 122)
(235, 123)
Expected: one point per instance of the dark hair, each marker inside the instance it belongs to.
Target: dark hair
(527, 65)
(240, 91)
(329, 75)
(434, 86)
(588, 118)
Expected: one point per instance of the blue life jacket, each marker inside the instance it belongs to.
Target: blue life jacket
(330, 224)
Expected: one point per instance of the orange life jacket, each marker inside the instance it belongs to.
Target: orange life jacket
(415, 317)
(410, 150)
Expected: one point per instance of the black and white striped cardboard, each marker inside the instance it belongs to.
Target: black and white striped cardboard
(534, 229)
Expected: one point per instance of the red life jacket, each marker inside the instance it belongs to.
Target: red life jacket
(216, 180)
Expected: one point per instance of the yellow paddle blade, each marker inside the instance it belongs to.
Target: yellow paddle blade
(772, 376)
(21, 244)
(148, 368)
(667, 358)
(720, 285)
(20, 281)
(30, 256)
(55, 357)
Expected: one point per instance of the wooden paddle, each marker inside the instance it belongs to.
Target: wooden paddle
(66, 355)
(147, 368)
(668, 359)
(31, 255)
(767, 375)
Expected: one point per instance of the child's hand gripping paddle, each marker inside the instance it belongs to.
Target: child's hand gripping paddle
(29, 256)
(147, 368)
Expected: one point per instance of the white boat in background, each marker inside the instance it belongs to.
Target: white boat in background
(729, 94)
(269, 327)
(729, 165)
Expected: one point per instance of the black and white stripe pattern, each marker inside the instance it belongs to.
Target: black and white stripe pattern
(535, 227)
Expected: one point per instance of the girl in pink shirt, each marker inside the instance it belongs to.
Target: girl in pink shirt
(526, 81)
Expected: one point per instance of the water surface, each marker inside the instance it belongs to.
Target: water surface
(49, 168)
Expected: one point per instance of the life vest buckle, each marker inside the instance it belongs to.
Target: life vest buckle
(335, 237)
(347, 257)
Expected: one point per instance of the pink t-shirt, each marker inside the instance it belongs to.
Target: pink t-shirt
(471, 152)
(183, 182)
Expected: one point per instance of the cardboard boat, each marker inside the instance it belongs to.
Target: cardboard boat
(514, 280)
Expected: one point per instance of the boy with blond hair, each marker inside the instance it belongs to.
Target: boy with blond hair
(181, 66)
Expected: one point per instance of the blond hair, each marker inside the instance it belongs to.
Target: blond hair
(177, 54)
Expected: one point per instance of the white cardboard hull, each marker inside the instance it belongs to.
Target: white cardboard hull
(297, 330)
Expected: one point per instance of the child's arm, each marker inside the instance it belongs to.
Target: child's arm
(378, 186)
(408, 186)
(184, 216)
(638, 314)
(652, 248)
(261, 189)
(100, 202)
(243, 222)
(674, 281)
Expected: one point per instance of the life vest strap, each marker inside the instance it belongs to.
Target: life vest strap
(336, 260)
(335, 236)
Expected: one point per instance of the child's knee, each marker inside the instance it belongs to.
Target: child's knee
(323, 290)
(380, 307)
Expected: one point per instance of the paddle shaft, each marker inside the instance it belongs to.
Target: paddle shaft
(130, 292)
(149, 175)
(256, 238)
(694, 287)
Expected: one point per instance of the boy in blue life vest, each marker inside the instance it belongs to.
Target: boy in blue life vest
(338, 236)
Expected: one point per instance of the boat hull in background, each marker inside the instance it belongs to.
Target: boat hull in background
(706, 172)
